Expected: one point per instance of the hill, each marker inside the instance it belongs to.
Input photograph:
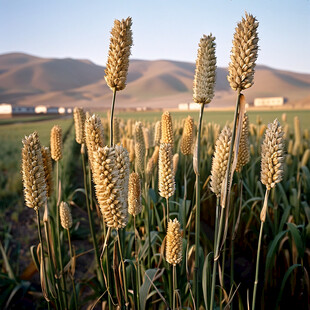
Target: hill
(30, 80)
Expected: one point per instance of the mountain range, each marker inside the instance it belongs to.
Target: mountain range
(29, 80)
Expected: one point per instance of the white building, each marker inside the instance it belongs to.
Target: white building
(194, 106)
(183, 106)
(268, 101)
(61, 110)
(40, 109)
(6, 108)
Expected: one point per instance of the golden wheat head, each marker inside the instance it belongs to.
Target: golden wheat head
(174, 242)
(119, 52)
(205, 71)
(48, 169)
(166, 182)
(243, 54)
(79, 123)
(166, 128)
(272, 161)
(110, 175)
(33, 172)
(134, 194)
(94, 137)
(220, 160)
(187, 137)
(65, 215)
(244, 146)
(56, 143)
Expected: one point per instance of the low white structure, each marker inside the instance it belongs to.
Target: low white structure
(194, 106)
(6, 108)
(40, 109)
(268, 101)
(183, 106)
(61, 110)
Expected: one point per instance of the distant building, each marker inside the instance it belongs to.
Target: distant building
(40, 109)
(194, 106)
(268, 101)
(23, 110)
(183, 106)
(6, 108)
(61, 110)
(52, 110)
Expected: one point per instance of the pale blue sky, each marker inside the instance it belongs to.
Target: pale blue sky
(162, 29)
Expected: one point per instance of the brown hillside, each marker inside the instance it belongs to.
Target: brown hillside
(30, 80)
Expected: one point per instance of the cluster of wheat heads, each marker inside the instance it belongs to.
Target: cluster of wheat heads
(144, 191)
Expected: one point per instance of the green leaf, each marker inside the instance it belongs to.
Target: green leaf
(206, 277)
(297, 238)
(34, 255)
(286, 276)
(284, 217)
(7, 263)
(272, 250)
(153, 195)
(145, 287)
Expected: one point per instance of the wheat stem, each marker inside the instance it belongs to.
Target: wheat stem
(91, 223)
(216, 257)
(71, 276)
(258, 251)
(58, 199)
(197, 217)
(42, 254)
(111, 119)
(174, 285)
(123, 269)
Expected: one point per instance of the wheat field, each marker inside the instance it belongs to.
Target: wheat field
(161, 210)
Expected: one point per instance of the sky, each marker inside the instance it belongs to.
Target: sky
(162, 29)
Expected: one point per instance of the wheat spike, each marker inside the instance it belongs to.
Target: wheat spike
(132, 151)
(305, 158)
(166, 128)
(139, 146)
(33, 172)
(205, 70)
(48, 169)
(166, 182)
(174, 242)
(79, 122)
(157, 136)
(152, 162)
(243, 54)
(56, 143)
(119, 52)
(220, 160)
(272, 161)
(134, 194)
(187, 137)
(110, 175)
(244, 146)
(94, 137)
(146, 136)
(175, 161)
(65, 215)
